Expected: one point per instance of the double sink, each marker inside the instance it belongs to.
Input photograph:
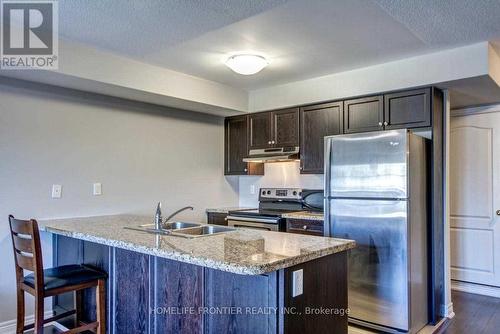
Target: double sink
(182, 229)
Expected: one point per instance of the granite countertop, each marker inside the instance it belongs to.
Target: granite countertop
(227, 209)
(243, 251)
(304, 215)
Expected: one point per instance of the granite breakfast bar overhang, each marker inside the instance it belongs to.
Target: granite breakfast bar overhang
(235, 282)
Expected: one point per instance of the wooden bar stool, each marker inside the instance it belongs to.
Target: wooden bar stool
(53, 281)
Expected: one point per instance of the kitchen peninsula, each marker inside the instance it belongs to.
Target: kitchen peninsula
(240, 281)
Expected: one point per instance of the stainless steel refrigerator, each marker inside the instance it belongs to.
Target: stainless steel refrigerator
(376, 194)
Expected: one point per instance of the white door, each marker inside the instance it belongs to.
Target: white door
(475, 198)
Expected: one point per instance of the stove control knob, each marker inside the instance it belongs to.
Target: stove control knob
(269, 192)
(263, 192)
(294, 193)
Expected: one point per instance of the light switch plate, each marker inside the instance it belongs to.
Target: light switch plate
(297, 282)
(56, 191)
(97, 189)
(252, 189)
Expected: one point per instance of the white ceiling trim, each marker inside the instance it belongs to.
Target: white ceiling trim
(95, 71)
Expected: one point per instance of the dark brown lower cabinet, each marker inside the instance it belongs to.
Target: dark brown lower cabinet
(217, 218)
(148, 294)
(305, 226)
(319, 311)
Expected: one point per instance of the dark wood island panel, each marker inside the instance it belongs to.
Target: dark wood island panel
(177, 285)
(149, 294)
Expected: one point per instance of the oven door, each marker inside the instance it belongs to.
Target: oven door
(267, 224)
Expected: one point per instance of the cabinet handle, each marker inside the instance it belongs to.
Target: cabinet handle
(379, 123)
(304, 227)
(269, 142)
(245, 170)
(385, 123)
(273, 142)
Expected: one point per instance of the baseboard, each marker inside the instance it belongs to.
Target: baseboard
(447, 311)
(478, 289)
(9, 326)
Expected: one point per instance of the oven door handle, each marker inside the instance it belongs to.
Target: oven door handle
(257, 220)
(254, 225)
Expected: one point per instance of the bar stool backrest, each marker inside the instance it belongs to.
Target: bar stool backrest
(27, 249)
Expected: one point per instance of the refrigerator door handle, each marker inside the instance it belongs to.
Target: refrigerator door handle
(327, 155)
(326, 207)
(326, 218)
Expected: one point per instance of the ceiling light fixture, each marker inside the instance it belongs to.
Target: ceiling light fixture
(246, 64)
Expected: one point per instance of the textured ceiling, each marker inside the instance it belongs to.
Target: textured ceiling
(447, 22)
(302, 38)
(141, 27)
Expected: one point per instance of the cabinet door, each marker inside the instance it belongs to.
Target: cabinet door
(260, 130)
(408, 109)
(365, 114)
(217, 218)
(286, 127)
(316, 122)
(236, 147)
(305, 226)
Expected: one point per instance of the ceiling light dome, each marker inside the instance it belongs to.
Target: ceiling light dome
(246, 64)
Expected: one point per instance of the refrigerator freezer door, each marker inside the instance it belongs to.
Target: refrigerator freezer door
(378, 277)
(367, 165)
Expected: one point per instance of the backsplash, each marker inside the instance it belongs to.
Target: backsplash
(276, 175)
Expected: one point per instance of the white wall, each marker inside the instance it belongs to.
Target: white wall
(140, 153)
(276, 175)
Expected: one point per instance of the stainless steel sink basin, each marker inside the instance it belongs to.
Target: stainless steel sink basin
(167, 227)
(201, 231)
(179, 225)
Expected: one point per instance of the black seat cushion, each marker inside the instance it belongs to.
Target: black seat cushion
(62, 276)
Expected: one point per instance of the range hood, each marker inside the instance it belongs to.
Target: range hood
(276, 154)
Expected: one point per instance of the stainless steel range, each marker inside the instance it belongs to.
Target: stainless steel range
(273, 203)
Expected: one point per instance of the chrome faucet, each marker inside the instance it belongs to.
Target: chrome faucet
(158, 218)
(177, 212)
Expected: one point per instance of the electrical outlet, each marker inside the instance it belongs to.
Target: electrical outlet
(97, 190)
(297, 282)
(56, 191)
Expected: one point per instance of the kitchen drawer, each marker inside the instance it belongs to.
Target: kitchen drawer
(305, 226)
(217, 218)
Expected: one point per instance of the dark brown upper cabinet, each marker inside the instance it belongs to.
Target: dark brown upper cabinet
(316, 122)
(408, 109)
(236, 148)
(274, 129)
(285, 127)
(259, 127)
(364, 114)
